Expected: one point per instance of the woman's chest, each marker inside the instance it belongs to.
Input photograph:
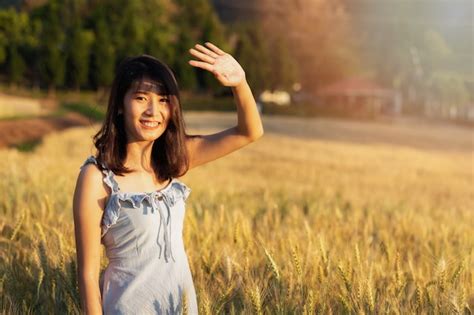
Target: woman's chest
(140, 183)
(144, 215)
(145, 226)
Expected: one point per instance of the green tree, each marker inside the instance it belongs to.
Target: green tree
(186, 75)
(213, 31)
(197, 23)
(16, 65)
(13, 35)
(52, 50)
(252, 53)
(103, 55)
(161, 32)
(3, 47)
(80, 44)
(283, 65)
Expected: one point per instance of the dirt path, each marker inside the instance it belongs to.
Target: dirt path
(23, 130)
(417, 134)
(403, 131)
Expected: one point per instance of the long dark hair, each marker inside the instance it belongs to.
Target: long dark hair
(169, 156)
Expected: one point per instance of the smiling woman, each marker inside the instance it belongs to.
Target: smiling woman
(145, 90)
(129, 198)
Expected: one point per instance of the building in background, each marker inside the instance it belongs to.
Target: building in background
(359, 97)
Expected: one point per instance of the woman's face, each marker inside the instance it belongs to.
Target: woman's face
(146, 112)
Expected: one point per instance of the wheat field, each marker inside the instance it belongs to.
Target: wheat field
(323, 220)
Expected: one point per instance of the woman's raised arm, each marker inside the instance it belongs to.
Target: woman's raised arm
(89, 199)
(206, 148)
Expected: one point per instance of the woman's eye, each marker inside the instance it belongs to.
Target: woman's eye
(164, 100)
(140, 98)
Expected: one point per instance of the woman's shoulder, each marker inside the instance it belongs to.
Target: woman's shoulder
(90, 194)
(91, 168)
(91, 176)
(91, 171)
(90, 160)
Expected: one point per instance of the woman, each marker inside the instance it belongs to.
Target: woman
(129, 198)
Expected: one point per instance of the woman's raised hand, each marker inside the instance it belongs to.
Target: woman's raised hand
(224, 67)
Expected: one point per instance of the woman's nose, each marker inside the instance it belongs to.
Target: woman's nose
(153, 107)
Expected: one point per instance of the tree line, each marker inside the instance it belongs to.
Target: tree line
(76, 44)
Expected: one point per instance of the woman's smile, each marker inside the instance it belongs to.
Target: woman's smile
(150, 124)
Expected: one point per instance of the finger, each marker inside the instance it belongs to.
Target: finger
(206, 51)
(215, 49)
(201, 56)
(202, 65)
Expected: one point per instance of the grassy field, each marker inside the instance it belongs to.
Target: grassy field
(16, 106)
(318, 216)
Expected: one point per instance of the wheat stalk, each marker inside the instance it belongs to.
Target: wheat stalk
(457, 273)
(429, 301)
(205, 305)
(359, 292)
(419, 296)
(370, 296)
(228, 268)
(399, 280)
(324, 256)
(273, 265)
(184, 301)
(39, 283)
(398, 275)
(357, 255)
(41, 232)
(462, 296)
(441, 274)
(384, 250)
(296, 261)
(214, 264)
(17, 225)
(345, 303)
(345, 277)
(310, 303)
(455, 309)
(256, 301)
(289, 288)
(237, 233)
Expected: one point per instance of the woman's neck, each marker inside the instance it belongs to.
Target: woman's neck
(139, 156)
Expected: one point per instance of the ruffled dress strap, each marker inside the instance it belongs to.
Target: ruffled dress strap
(112, 208)
(108, 178)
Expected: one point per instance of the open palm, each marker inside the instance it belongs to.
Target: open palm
(224, 67)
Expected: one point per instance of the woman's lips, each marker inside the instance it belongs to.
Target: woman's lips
(150, 124)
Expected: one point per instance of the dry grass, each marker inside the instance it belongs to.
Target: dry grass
(13, 106)
(287, 225)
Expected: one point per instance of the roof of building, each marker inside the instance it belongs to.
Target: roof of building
(354, 85)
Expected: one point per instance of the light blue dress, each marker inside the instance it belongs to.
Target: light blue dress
(148, 270)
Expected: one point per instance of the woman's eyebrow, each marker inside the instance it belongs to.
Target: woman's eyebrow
(148, 93)
(141, 92)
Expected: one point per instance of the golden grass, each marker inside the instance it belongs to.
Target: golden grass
(287, 225)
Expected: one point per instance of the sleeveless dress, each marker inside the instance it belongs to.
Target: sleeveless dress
(148, 270)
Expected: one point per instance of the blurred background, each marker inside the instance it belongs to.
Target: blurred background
(358, 199)
(361, 58)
